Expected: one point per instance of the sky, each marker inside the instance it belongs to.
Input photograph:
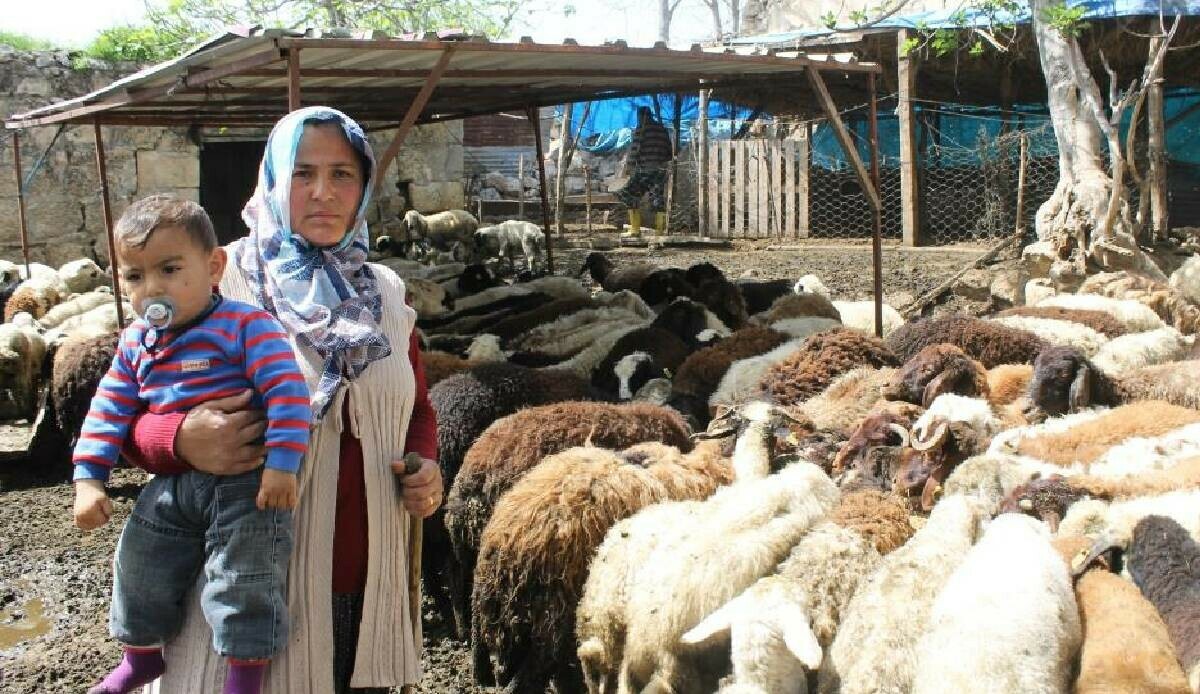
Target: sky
(75, 22)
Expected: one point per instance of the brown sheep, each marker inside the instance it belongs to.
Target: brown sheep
(887, 428)
(822, 358)
(30, 300)
(803, 305)
(1044, 498)
(1049, 497)
(78, 366)
(1164, 562)
(881, 518)
(513, 445)
(704, 469)
(1101, 322)
(700, 373)
(989, 342)
(440, 365)
(935, 370)
(1086, 442)
(1126, 646)
(1008, 383)
(1169, 303)
(534, 558)
(848, 399)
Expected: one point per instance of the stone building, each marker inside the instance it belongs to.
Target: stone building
(216, 167)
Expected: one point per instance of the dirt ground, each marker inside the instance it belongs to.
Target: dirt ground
(55, 580)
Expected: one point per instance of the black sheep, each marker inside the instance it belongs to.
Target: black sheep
(1164, 562)
(760, 294)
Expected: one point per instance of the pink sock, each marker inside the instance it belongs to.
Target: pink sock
(139, 667)
(245, 676)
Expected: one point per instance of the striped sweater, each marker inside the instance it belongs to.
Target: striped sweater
(236, 346)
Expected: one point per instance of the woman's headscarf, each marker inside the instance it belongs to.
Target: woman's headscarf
(326, 297)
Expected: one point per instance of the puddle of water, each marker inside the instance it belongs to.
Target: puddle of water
(32, 624)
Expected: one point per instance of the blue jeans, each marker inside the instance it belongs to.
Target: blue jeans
(182, 524)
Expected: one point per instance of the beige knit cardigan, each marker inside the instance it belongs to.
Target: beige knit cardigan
(380, 404)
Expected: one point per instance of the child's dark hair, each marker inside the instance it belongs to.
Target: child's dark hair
(156, 211)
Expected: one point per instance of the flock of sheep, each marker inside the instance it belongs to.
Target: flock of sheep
(667, 480)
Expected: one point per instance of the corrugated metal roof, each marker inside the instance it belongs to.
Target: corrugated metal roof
(241, 78)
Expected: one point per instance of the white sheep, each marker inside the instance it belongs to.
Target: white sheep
(740, 382)
(511, 238)
(75, 306)
(1133, 316)
(1135, 350)
(860, 315)
(558, 337)
(875, 650)
(1116, 520)
(36, 296)
(811, 284)
(9, 272)
(741, 534)
(451, 231)
(1006, 620)
(426, 298)
(1059, 332)
(97, 321)
(82, 275)
(22, 351)
(803, 327)
(1186, 280)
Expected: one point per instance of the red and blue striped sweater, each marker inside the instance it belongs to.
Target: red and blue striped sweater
(236, 346)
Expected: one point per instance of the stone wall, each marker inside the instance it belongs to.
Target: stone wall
(63, 199)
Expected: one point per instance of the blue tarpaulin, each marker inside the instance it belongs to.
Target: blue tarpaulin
(610, 123)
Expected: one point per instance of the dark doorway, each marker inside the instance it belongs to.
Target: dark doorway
(228, 175)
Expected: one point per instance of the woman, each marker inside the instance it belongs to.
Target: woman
(304, 261)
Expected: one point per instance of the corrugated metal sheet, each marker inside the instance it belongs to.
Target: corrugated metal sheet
(241, 78)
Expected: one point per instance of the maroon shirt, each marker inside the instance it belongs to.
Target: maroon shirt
(151, 446)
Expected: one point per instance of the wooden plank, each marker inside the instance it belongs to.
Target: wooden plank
(726, 189)
(738, 160)
(753, 202)
(844, 138)
(776, 189)
(803, 161)
(702, 163)
(910, 219)
(293, 75)
(789, 228)
(764, 182)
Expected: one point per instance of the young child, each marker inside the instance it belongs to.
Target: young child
(191, 346)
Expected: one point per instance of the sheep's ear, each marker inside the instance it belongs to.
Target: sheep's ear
(1081, 389)
(799, 637)
(716, 624)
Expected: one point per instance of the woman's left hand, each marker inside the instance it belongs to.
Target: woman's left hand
(422, 489)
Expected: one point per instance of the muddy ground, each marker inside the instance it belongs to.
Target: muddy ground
(55, 580)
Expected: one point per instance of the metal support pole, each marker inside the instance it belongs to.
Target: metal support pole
(21, 203)
(521, 195)
(293, 73)
(876, 211)
(102, 166)
(541, 168)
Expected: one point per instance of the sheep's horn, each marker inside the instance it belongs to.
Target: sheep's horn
(905, 437)
(940, 431)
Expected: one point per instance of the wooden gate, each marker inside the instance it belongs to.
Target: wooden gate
(755, 189)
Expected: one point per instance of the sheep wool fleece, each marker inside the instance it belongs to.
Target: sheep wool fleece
(380, 404)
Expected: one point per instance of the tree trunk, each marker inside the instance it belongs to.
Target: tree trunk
(735, 17)
(1083, 218)
(715, 7)
(664, 21)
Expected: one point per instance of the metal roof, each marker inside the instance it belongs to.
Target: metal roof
(242, 78)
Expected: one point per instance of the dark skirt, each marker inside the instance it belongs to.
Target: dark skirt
(347, 614)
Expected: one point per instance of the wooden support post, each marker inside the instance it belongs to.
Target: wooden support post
(410, 118)
(560, 174)
(877, 212)
(541, 167)
(1022, 165)
(702, 192)
(803, 158)
(1156, 133)
(521, 195)
(293, 74)
(16, 140)
(102, 167)
(906, 71)
(673, 175)
(587, 198)
(843, 135)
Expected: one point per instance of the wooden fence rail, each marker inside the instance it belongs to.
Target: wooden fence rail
(756, 189)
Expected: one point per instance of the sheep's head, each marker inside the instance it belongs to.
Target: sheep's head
(941, 442)
(1044, 498)
(703, 272)
(935, 370)
(684, 318)
(476, 278)
(810, 284)
(597, 265)
(725, 300)
(768, 424)
(1063, 380)
(886, 429)
(633, 371)
(413, 225)
(664, 286)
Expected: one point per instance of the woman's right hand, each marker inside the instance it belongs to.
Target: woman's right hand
(224, 436)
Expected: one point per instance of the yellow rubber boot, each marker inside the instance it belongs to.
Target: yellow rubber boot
(660, 222)
(635, 224)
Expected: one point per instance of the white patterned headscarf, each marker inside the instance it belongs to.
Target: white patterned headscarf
(325, 296)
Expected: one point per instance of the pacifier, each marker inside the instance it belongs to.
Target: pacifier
(158, 312)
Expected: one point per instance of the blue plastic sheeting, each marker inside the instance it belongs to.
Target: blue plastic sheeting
(950, 19)
(962, 128)
(610, 123)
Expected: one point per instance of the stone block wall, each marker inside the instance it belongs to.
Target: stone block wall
(63, 198)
